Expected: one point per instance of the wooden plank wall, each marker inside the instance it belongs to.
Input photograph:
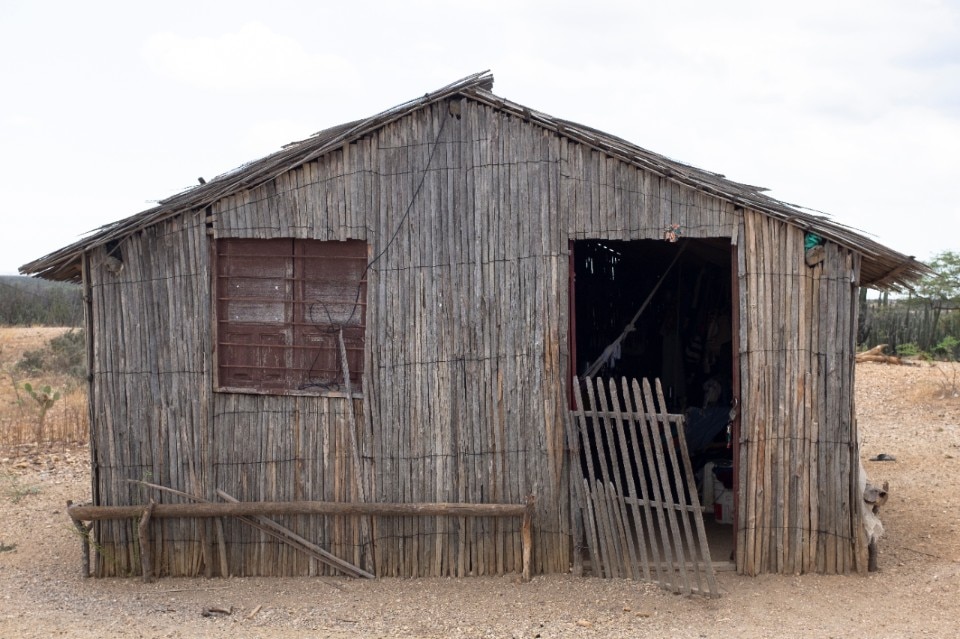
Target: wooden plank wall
(150, 387)
(467, 341)
(468, 220)
(799, 511)
(284, 448)
(466, 304)
(465, 391)
(606, 198)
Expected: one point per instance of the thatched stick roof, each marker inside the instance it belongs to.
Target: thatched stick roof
(882, 267)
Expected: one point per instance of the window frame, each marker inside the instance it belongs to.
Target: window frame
(296, 314)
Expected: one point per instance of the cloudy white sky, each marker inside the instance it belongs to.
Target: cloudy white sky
(847, 107)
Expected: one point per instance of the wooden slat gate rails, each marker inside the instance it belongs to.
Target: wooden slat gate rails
(635, 489)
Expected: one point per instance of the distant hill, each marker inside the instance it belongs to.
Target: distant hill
(26, 301)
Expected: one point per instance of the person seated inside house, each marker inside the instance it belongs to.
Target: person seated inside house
(705, 426)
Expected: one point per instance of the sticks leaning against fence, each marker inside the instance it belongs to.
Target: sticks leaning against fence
(272, 529)
(255, 514)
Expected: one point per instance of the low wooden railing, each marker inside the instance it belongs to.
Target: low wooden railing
(255, 513)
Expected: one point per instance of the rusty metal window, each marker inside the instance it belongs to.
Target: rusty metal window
(281, 304)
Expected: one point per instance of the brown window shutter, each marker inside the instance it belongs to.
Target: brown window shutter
(281, 304)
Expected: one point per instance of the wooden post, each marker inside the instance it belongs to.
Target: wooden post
(526, 533)
(84, 531)
(144, 532)
(872, 564)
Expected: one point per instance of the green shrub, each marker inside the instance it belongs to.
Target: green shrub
(947, 348)
(69, 354)
(65, 354)
(32, 362)
(908, 350)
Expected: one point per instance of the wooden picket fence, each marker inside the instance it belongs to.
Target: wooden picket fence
(641, 515)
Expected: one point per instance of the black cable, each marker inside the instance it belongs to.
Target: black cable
(332, 327)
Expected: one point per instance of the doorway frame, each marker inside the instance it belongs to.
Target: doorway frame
(735, 372)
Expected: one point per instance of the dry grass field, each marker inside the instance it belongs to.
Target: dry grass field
(909, 412)
(65, 422)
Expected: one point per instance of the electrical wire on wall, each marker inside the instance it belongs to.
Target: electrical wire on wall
(334, 327)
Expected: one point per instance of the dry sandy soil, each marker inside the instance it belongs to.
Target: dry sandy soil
(902, 412)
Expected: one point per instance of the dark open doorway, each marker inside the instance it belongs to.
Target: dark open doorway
(684, 336)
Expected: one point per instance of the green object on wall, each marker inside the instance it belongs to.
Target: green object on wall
(811, 240)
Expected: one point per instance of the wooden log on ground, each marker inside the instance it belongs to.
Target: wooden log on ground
(876, 354)
(883, 359)
(876, 350)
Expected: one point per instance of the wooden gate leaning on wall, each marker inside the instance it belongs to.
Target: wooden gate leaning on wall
(634, 488)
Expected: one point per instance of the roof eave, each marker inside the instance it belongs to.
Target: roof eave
(63, 264)
(885, 268)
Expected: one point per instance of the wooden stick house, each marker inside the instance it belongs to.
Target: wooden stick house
(393, 311)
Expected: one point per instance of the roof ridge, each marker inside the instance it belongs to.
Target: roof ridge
(897, 269)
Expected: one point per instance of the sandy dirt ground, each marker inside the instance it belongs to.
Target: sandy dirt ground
(903, 411)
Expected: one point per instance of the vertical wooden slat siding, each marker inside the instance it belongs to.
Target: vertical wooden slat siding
(468, 220)
(861, 551)
(149, 394)
(799, 437)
